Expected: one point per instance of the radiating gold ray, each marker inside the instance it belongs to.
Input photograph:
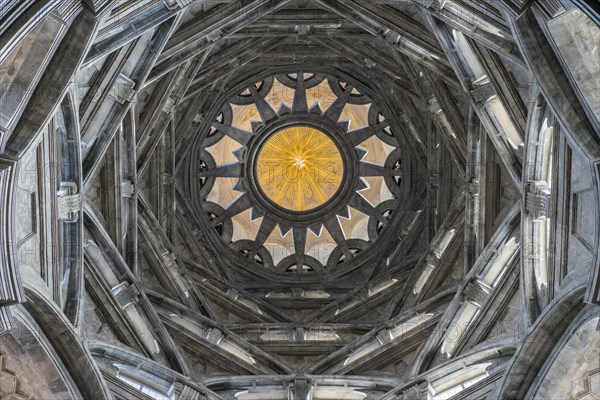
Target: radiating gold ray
(299, 168)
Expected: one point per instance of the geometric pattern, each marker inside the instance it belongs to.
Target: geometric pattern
(591, 386)
(10, 385)
(299, 168)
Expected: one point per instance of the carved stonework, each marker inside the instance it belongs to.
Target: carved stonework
(282, 199)
(12, 383)
(232, 293)
(481, 93)
(537, 198)
(170, 260)
(127, 189)
(474, 292)
(69, 202)
(123, 90)
(169, 106)
(404, 118)
(416, 392)
(98, 6)
(126, 294)
(11, 290)
(173, 4)
(302, 30)
(185, 392)
(67, 10)
(5, 320)
(383, 336)
(301, 388)
(425, 3)
(435, 108)
(392, 36)
(167, 179)
(473, 186)
(214, 35)
(214, 336)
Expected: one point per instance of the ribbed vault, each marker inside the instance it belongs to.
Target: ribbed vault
(299, 199)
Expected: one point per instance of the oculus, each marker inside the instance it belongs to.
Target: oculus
(299, 168)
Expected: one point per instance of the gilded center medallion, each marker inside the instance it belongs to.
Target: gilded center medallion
(299, 168)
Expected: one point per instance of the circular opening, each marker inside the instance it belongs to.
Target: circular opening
(299, 168)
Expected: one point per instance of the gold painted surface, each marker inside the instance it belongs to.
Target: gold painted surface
(299, 168)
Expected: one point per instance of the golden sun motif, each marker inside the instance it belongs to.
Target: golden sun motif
(299, 168)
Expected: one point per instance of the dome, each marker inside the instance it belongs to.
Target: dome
(299, 199)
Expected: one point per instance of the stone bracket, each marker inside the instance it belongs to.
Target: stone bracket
(475, 293)
(170, 260)
(368, 63)
(185, 392)
(383, 336)
(214, 336)
(123, 89)
(167, 179)
(126, 295)
(404, 118)
(473, 186)
(481, 93)
(214, 35)
(232, 293)
(169, 106)
(391, 36)
(301, 388)
(537, 198)
(302, 30)
(69, 202)
(127, 189)
(434, 106)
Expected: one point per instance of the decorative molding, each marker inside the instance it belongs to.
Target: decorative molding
(123, 89)
(69, 202)
(185, 392)
(67, 10)
(6, 320)
(169, 106)
(99, 7)
(174, 4)
(537, 198)
(11, 290)
(126, 295)
(127, 189)
(481, 93)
